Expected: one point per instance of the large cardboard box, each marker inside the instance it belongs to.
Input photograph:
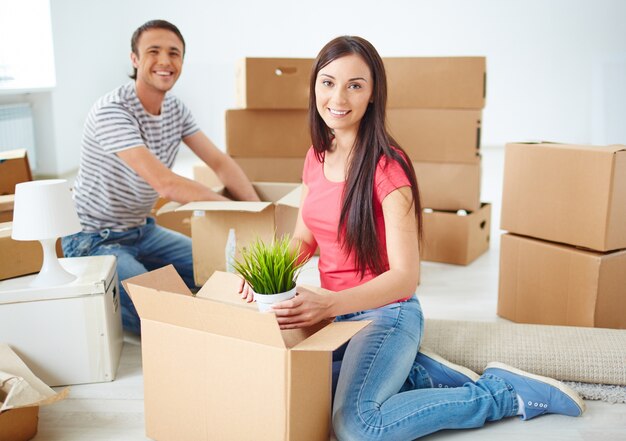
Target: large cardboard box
(67, 334)
(6, 207)
(273, 83)
(573, 194)
(213, 355)
(21, 394)
(458, 238)
(14, 168)
(437, 135)
(212, 220)
(448, 186)
(436, 82)
(413, 82)
(548, 283)
(267, 133)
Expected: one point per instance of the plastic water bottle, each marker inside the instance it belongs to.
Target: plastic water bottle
(231, 248)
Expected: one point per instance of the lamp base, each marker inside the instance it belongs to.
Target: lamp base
(52, 273)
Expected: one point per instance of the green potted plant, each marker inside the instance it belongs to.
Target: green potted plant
(270, 269)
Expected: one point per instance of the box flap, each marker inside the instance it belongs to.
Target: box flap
(208, 313)
(292, 199)
(12, 154)
(168, 207)
(19, 386)
(164, 279)
(252, 207)
(332, 336)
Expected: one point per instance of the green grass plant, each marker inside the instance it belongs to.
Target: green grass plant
(269, 268)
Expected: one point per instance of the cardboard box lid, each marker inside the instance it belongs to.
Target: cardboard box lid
(94, 275)
(19, 386)
(251, 207)
(217, 309)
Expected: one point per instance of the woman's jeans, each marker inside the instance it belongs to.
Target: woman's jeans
(384, 394)
(138, 250)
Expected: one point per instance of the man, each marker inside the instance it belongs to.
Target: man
(129, 145)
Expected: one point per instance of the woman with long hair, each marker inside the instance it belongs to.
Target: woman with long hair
(361, 207)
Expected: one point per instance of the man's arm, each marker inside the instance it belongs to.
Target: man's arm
(168, 184)
(224, 166)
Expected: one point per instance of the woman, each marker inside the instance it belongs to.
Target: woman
(360, 205)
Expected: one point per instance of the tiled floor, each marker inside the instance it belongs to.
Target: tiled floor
(114, 411)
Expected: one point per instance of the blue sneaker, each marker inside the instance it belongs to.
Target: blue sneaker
(444, 373)
(539, 394)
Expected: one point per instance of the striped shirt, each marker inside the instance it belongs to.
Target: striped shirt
(107, 192)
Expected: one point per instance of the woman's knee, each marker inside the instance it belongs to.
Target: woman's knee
(357, 423)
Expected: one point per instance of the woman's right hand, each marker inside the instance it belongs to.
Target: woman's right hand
(246, 291)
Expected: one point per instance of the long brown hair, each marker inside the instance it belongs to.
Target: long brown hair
(357, 220)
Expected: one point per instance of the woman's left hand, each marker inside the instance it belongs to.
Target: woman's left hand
(305, 309)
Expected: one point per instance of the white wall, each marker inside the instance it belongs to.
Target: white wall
(540, 54)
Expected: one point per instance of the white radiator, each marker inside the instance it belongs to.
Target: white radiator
(17, 130)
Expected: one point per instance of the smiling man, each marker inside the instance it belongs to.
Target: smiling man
(130, 142)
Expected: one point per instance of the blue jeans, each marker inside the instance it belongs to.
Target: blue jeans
(137, 250)
(384, 394)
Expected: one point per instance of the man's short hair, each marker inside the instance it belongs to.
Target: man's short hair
(152, 24)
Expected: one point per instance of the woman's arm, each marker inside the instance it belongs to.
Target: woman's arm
(398, 282)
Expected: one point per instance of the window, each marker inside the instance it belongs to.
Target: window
(26, 51)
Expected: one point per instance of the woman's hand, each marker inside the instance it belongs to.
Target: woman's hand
(307, 308)
(246, 292)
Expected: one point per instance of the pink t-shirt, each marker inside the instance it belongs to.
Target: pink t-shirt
(321, 211)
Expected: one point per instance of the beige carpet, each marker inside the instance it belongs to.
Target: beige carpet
(587, 355)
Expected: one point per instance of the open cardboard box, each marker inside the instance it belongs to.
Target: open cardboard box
(450, 237)
(215, 368)
(212, 220)
(554, 284)
(573, 194)
(14, 168)
(21, 394)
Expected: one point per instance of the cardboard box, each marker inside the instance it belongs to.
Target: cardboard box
(6, 207)
(212, 220)
(267, 133)
(205, 175)
(437, 135)
(21, 394)
(448, 186)
(548, 283)
(273, 83)
(272, 169)
(19, 257)
(412, 82)
(451, 237)
(436, 82)
(572, 194)
(213, 355)
(67, 334)
(14, 168)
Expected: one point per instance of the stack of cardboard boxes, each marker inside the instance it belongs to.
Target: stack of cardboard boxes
(434, 113)
(563, 261)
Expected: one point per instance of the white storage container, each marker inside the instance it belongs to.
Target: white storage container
(67, 334)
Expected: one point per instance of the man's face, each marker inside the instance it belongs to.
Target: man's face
(159, 61)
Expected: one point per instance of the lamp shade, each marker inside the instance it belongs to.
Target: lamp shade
(44, 210)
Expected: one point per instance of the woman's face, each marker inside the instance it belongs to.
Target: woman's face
(343, 90)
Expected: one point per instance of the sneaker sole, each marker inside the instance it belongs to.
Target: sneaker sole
(552, 382)
(461, 369)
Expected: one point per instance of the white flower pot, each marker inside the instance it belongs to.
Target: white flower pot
(265, 301)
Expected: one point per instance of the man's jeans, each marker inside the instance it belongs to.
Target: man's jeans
(138, 250)
(384, 394)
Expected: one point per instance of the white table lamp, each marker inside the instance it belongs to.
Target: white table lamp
(44, 211)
